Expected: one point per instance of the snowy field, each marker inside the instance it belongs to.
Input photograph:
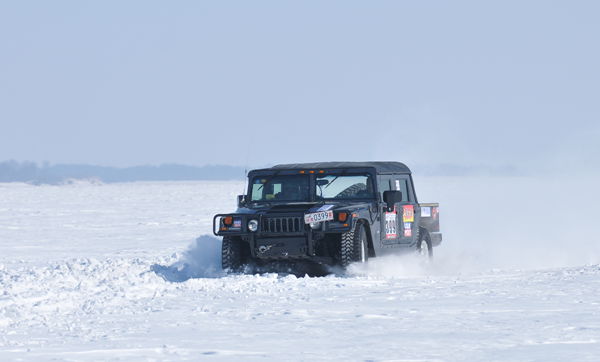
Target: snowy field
(130, 272)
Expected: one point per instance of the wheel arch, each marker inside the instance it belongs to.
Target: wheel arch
(425, 236)
(370, 243)
(422, 233)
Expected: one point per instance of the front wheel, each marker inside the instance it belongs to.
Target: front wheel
(233, 256)
(354, 247)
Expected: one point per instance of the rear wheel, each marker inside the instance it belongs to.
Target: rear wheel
(424, 248)
(233, 255)
(354, 247)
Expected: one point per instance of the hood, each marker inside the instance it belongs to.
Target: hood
(302, 208)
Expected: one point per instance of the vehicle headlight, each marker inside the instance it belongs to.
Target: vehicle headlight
(253, 225)
(315, 225)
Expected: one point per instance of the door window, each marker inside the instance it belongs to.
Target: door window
(401, 185)
(385, 184)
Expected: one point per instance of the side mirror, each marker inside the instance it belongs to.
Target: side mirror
(392, 197)
(241, 200)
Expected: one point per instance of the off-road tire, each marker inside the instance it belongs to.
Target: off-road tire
(354, 246)
(424, 241)
(232, 255)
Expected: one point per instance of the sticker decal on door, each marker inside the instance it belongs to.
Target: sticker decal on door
(408, 213)
(391, 222)
(407, 229)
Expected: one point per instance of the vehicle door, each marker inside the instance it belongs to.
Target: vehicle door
(408, 210)
(390, 229)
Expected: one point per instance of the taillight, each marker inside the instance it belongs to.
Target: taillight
(342, 216)
(228, 220)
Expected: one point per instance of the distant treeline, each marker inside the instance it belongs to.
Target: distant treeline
(31, 172)
(13, 171)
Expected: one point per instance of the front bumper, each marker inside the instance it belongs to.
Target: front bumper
(280, 240)
(281, 248)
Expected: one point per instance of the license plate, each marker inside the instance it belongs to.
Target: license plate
(318, 216)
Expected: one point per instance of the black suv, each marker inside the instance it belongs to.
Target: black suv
(332, 213)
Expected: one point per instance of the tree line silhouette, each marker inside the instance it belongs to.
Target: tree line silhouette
(31, 172)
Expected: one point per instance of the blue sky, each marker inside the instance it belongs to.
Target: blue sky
(252, 83)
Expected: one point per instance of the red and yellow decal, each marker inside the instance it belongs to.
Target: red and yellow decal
(408, 213)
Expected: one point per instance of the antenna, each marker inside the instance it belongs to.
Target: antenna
(245, 180)
(245, 176)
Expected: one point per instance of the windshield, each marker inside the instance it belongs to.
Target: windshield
(296, 188)
(343, 187)
(280, 188)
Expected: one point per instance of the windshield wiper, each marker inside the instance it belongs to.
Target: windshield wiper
(329, 184)
(332, 181)
(335, 178)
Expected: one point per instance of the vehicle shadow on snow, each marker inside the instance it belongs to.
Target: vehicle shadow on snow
(203, 260)
(298, 269)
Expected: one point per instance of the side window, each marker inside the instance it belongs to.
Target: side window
(401, 184)
(385, 184)
(397, 183)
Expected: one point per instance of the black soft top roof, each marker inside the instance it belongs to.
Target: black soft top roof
(380, 167)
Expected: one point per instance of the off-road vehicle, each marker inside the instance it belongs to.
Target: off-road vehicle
(334, 213)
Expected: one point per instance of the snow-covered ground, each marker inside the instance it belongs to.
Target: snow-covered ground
(129, 271)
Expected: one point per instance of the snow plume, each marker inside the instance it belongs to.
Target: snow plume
(201, 260)
(411, 265)
(503, 223)
(529, 222)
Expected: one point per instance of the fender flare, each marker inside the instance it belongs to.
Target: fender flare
(365, 223)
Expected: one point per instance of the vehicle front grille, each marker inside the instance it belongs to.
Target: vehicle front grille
(284, 224)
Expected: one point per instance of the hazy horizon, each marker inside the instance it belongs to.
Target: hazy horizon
(47, 173)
